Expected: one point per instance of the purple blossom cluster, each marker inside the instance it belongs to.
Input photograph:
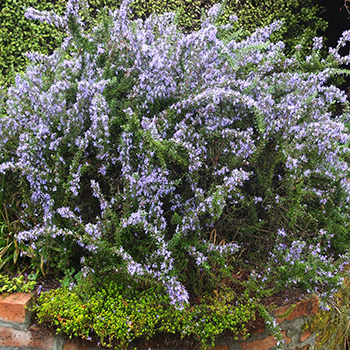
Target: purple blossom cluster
(297, 263)
(175, 155)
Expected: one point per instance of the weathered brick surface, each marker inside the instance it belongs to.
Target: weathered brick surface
(34, 337)
(263, 344)
(13, 308)
(72, 345)
(220, 347)
(260, 344)
(304, 336)
(302, 308)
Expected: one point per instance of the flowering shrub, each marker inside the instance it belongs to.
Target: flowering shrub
(146, 152)
(307, 265)
(18, 35)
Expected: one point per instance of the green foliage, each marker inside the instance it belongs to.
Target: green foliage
(271, 326)
(302, 19)
(333, 324)
(114, 237)
(302, 264)
(262, 197)
(189, 12)
(117, 315)
(10, 249)
(18, 35)
(15, 284)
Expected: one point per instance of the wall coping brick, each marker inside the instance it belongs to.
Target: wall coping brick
(300, 309)
(32, 338)
(15, 307)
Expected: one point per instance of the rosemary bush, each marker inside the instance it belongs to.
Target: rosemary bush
(154, 155)
(17, 35)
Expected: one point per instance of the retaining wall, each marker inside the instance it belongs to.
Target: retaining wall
(18, 333)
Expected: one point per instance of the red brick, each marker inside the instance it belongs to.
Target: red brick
(302, 308)
(220, 347)
(304, 336)
(33, 338)
(13, 307)
(78, 345)
(286, 339)
(263, 344)
(258, 329)
(70, 345)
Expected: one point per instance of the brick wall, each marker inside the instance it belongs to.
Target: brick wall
(18, 333)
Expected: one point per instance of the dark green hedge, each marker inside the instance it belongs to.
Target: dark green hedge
(302, 18)
(19, 35)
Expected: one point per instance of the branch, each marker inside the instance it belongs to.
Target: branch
(346, 6)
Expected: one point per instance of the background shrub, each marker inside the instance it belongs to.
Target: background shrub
(142, 151)
(302, 19)
(17, 35)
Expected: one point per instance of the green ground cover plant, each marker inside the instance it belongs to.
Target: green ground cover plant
(151, 166)
(115, 315)
(15, 284)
